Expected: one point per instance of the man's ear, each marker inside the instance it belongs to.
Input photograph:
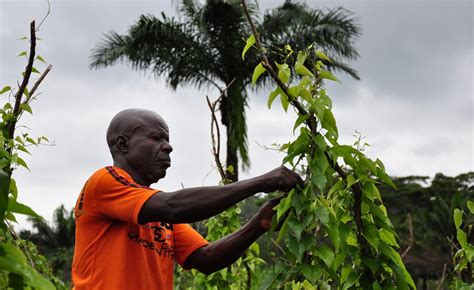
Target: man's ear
(121, 143)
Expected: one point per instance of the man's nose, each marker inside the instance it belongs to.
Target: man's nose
(167, 147)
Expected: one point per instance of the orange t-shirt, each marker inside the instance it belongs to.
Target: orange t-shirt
(112, 250)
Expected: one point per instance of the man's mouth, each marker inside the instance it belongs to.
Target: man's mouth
(166, 163)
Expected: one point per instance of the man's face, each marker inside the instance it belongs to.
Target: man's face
(149, 150)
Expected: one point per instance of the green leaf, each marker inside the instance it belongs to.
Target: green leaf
(350, 181)
(322, 214)
(283, 230)
(376, 286)
(462, 238)
(320, 164)
(319, 180)
(470, 205)
(13, 189)
(272, 96)
(457, 218)
(284, 101)
(257, 72)
(388, 237)
(20, 208)
(302, 70)
(23, 53)
(5, 89)
(293, 245)
(301, 58)
(323, 56)
(34, 70)
(300, 121)
(346, 270)
(319, 140)
(22, 162)
(385, 178)
(326, 99)
(284, 72)
(28, 139)
(326, 254)
(372, 236)
(351, 280)
(371, 191)
(328, 75)
(26, 107)
(305, 94)
(286, 205)
(367, 164)
(40, 58)
(311, 272)
(329, 123)
(271, 276)
(295, 226)
(4, 188)
(14, 261)
(250, 41)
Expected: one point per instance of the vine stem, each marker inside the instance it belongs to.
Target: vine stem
(26, 78)
(214, 124)
(216, 141)
(312, 124)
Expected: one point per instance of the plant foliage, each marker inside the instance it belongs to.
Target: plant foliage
(21, 267)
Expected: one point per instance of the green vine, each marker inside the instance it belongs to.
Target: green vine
(337, 233)
(464, 256)
(21, 267)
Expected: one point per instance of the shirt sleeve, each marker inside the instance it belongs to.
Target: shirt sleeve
(186, 241)
(119, 198)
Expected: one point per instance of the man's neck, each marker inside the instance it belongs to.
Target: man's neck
(133, 173)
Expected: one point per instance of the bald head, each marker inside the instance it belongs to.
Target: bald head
(139, 142)
(128, 122)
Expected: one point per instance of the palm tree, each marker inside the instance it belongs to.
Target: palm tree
(203, 47)
(56, 242)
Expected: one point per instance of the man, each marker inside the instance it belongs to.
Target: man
(128, 235)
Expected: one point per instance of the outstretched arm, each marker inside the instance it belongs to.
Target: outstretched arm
(199, 203)
(227, 250)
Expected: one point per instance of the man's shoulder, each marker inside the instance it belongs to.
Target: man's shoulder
(100, 176)
(99, 173)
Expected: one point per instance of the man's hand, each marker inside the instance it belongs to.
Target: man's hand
(280, 179)
(263, 218)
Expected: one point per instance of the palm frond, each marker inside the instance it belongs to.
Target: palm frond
(191, 11)
(333, 31)
(109, 51)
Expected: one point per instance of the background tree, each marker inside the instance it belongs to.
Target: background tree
(55, 242)
(203, 47)
(427, 205)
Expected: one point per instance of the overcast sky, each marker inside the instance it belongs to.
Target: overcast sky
(414, 101)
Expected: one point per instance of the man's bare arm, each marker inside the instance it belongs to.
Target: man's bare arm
(227, 250)
(199, 203)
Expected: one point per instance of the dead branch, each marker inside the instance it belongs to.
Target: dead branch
(411, 239)
(38, 82)
(26, 78)
(215, 142)
(443, 277)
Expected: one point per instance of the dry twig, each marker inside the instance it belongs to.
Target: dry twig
(411, 239)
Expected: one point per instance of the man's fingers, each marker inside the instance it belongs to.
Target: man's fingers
(276, 200)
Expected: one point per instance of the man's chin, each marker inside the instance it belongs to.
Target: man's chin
(158, 176)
